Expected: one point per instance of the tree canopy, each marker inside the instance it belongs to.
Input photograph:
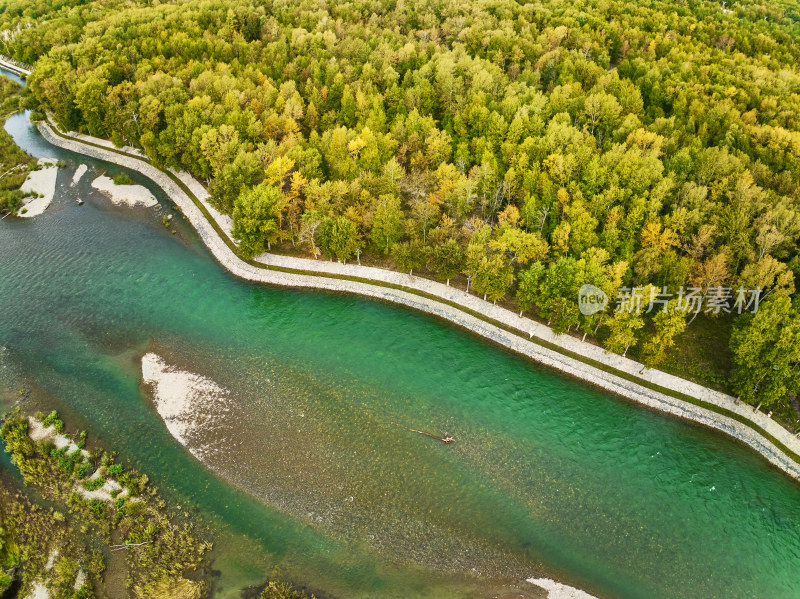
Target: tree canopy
(534, 147)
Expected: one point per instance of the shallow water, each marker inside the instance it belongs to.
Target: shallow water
(13, 76)
(309, 471)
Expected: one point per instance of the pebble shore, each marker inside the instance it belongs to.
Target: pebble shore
(526, 327)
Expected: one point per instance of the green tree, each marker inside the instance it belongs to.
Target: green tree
(447, 259)
(409, 255)
(493, 277)
(520, 246)
(559, 293)
(602, 112)
(622, 329)
(766, 352)
(529, 286)
(387, 222)
(338, 238)
(593, 268)
(243, 171)
(255, 218)
(668, 324)
(90, 95)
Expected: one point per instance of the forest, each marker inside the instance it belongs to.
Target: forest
(651, 149)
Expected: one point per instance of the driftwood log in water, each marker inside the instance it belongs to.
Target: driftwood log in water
(446, 439)
(128, 545)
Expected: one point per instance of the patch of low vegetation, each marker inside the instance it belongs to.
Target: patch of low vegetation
(282, 590)
(164, 558)
(122, 179)
(37, 543)
(53, 420)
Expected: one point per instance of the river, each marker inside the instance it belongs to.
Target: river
(309, 472)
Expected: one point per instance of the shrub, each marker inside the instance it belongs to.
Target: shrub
(53, 420)
(98, 507)
(94, 483)
(122, 179)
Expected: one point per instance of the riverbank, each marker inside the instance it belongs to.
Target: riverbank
(14, 66)
(614, 373)
(15, 164)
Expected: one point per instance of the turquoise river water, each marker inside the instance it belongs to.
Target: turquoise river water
(308, 472)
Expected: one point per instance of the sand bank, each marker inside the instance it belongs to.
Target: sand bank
(41, 183)
(37, 432)
(39, 591)
(125, 195)
(188, 403)
(110, 490)
(80, 580)
(79, 172)
(107, 492)
(556, 590)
